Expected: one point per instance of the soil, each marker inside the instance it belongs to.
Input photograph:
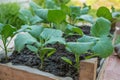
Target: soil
(85, 29)
(53, 64)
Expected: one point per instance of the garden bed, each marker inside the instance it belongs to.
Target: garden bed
(53, 65)
(18, 72)
(49, 46)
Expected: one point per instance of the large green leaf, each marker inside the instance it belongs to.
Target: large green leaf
(35, 19)
(65, 9)
(88, 39)
(101, 27)
(50, 4)
(42, 13)
(7, 31)
(36, 30)
(79, 48)
(48, 33)
(34, 6)
(53, 40)
(74, 11)
(104, 12)
(23, 39)
(103, 47)
(56, 16)
(27, 16)
(87, 18)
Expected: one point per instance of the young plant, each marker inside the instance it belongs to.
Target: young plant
(38, 40)
(28, 17)
(99, 42)
(113, 16)
(78, 48)
(7, 32)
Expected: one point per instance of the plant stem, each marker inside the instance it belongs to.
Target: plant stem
(77, 62)
(5, 48)
(9, 42)
(41, 65)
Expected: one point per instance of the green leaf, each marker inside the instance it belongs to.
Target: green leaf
(71, 28)
(24, 28)
(79, 48)
(84, 10)
(34, 6)
(101, 27)
(7, 31)
(67, 60)
(60, 2)
(65, 9)
(23, 39)
(35, 19)
(103, 47)
(87, 18)
(50, 4)
(48, 51)
(25, 15)
(61, 26)
(104, 12)
(54, 40)
(42, 13)
(48, 33)
(56, 16)
(74, 11)
(36, 30)
(87, 39)
(116, 14)
(32, 48)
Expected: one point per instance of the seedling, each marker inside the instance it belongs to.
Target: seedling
(39, 40)
(6, 31)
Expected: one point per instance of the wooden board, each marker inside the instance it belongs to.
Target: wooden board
(10, 72)
(102, 69)
(88, 69)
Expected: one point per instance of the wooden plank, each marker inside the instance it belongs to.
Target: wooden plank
(102, 69)
(88, 69)
(11, 72)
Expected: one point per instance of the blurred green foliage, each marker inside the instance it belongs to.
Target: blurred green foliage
(9, 14)
(51, 4)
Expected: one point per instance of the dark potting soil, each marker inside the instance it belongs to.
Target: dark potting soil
(53, 64)
(73, 38)
(85, 29)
